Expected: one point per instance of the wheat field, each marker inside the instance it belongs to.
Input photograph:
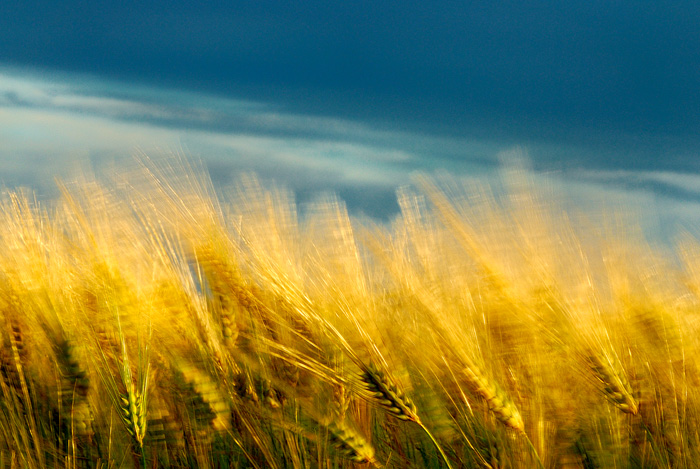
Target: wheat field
(151, 321)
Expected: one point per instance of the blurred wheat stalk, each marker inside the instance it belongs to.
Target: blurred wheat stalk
(149, 322)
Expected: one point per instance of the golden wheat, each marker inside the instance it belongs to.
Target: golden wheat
(238, 333)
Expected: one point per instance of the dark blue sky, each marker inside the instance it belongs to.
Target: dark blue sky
(596, 85)
(536, 67)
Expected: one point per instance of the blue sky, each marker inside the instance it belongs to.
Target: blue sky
(354, 97)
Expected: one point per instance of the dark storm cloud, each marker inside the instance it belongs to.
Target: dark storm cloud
(540, 69)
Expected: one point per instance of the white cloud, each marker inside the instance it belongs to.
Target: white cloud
(30, 92)
(61, 121)
(24, 129)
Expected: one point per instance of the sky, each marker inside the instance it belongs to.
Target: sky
(603, 97)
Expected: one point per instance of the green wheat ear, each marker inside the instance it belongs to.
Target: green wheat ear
(133, 413)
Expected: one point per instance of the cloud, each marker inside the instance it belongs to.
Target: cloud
(51, 126)
(685, 184)
(20, 91)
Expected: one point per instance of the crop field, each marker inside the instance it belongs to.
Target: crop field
(149, 320)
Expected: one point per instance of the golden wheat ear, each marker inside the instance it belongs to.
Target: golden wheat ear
(203, 394)
(349, 443)
(497, 400)
(164, 428)
(75, 385)
(385, 392)
(614, 384)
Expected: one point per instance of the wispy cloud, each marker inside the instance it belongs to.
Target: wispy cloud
(173, 108)
(68, 119)
(686, 182)
(87, 97)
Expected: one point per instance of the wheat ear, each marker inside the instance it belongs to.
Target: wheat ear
(75, 388)
(387, 394)
(162, 426)
(133, 413)
(349, 443)
(130, 400)
(204, 396)
(497, 400)
(615, 386)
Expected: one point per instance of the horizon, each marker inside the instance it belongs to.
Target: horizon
(350, 100)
